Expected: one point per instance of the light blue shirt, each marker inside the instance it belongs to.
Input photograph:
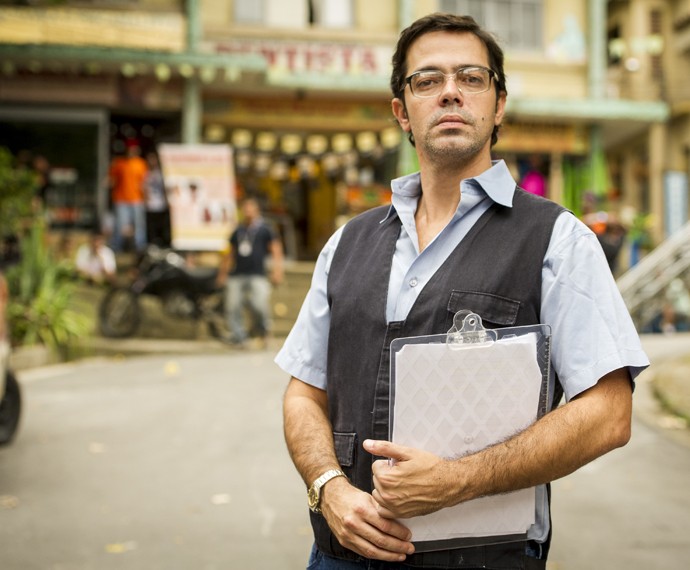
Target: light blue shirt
(592, 332)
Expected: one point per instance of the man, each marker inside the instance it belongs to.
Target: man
(95, 261)
(459, 235)
(157, 208)
(127, 177)
(248, 249)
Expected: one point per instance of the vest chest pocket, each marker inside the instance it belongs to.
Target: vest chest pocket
(493, 309)
(345, 448)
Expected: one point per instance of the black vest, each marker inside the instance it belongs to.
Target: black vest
(495, 271)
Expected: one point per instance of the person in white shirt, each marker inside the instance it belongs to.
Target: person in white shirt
(95, 261)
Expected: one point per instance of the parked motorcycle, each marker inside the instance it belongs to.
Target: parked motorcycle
(184, 292)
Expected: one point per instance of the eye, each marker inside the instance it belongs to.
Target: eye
(475, 78)
(425, 81)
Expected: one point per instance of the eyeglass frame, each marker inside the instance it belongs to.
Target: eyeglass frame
(492, 76)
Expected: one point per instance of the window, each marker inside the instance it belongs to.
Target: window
(516, 23)
(331, 13)
(248, 11)
(655, 30)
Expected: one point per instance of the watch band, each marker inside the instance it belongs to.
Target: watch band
(314, 493)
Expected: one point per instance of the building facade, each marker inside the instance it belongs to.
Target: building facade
(299, 89)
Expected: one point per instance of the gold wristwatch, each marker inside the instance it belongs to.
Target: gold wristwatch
(314, 493)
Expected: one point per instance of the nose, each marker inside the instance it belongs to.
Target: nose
(451, 92)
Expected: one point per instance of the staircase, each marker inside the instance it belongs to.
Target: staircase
(644, 285)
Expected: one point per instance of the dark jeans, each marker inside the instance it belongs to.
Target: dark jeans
(319, 561)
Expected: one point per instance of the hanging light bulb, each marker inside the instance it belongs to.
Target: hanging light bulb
(162, 72)
(128, 69)
(186, 70)
(232, 74)
(207, 74)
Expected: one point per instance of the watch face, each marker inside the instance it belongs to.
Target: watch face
(313, 498)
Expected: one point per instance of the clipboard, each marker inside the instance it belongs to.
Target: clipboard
(454, 394)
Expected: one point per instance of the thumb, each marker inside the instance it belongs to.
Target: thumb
(387, 449)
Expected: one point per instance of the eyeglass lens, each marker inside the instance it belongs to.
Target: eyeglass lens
(468, 80)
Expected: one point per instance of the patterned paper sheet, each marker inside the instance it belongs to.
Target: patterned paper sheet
(454, 402)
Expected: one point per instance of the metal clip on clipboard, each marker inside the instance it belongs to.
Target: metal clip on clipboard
(468, 330)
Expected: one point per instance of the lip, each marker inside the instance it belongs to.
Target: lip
(450, 121)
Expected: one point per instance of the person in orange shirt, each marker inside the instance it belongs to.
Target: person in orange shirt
(127, 177)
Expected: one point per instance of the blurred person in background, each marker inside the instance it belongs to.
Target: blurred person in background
(127, 177)
(668, 321)
(157, 209)
(248, 284)
(95, 262)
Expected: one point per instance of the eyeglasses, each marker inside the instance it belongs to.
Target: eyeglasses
(473, 79)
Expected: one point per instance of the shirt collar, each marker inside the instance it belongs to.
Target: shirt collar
(497, 182)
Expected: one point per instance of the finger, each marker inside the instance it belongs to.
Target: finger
(378, 538)
(387, 449)
(370, 549)
(383, 510)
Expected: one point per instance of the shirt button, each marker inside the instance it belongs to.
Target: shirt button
(414, 282)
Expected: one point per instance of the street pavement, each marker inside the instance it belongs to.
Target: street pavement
(176, 460)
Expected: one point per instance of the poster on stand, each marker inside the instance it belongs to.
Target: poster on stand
(200, 186)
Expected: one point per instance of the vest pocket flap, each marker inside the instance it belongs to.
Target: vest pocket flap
(491, 308)
(345, 448)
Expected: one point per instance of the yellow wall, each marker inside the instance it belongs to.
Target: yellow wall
(423, 7)
(378, 16)
(216, 14)
(102, 28)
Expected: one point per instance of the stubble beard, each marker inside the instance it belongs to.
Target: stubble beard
(458, 149)
(453, 145)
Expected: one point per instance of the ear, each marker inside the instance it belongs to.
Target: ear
(500, 108)
(400, 113)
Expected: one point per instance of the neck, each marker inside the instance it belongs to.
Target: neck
(436, 207)
(441, 196)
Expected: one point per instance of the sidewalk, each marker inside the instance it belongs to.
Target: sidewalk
(669, 373)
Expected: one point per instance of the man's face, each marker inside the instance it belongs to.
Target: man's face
(250, 210)
(452, 125)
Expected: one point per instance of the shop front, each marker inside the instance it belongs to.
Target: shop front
(70, 145)
(313, 163)
(547, 158)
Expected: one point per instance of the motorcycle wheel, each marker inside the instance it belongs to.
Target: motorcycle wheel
(217, 329)
(216, 321)
(119, 314)
(10, 409)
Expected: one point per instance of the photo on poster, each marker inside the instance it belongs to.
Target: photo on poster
(200, 186)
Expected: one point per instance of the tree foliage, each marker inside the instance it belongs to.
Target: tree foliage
(17, 187)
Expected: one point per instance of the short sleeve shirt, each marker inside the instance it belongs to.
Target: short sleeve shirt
(250, 246)
(592, 332)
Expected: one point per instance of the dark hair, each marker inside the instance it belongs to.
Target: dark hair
(439, 22)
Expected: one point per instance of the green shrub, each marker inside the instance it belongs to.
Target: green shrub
(40, 293)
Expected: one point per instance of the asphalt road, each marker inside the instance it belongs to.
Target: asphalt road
(178, 462)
